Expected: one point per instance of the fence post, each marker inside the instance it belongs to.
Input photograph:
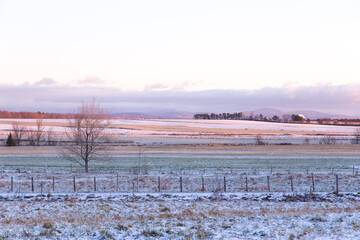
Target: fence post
(159, 188)
(12, 184)
(32, 184)
(337, 184)
(117, 182)
(292, 185)
(181, 184)
(353, 169)
(224, 184)
(94, 184)
(313, 182)
(202, 184)
(271, 170)
(74, 183)
(246, 184)
(53, 184)
(268, 181)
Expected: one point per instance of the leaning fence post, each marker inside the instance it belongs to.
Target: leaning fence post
(202, 184)
(246, 184)
(292, 185)
(268, 182)
(159, 184)
(224, 184)
(337, 184)
(94, 184)
(12, 184)
(74, 183)
(181, 184)
(313, 182)
(32, 184)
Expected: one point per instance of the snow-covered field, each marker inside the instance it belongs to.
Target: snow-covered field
(222, 153)
(187, 216)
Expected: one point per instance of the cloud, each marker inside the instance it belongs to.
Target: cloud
(91, 80)
(45, 81)
(342, 99)
(156, 86)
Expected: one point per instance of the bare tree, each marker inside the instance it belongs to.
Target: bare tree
(259, 140)
(31, 137)
(50, 137)
(19, 132)
(141, 167)
(356, 139)
(87, 133)
(39, 131)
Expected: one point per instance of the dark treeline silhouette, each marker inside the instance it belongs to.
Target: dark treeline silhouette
(235, 116)
(252, 116)
(229, 116)
(33, 115)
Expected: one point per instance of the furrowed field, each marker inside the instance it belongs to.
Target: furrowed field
(185, 179)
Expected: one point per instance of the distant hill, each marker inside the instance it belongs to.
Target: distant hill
(156, 115)
(32, 115)
(269, 112)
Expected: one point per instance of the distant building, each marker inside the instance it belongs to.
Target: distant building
(298, 118)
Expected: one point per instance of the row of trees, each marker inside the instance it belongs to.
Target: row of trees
(33, 135)
(251, 116)
(32, 115)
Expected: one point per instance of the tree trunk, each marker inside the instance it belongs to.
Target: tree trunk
(86, 166)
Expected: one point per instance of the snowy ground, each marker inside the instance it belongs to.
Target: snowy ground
(179, 216)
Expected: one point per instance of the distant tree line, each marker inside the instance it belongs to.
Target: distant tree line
(251, 116)
(32, 115)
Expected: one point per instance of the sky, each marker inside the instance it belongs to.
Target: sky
(198, 55)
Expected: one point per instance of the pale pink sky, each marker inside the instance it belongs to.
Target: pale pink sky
(180, 48)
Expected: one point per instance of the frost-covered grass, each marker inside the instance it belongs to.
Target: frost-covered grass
(169, 217)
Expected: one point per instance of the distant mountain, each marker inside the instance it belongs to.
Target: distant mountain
(269, 112)
(156, 115)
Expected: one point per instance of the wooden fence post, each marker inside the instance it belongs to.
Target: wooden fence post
(268, 181)
(292, 185)
(32, 184)
(224, 184)
(337, 184)
(313, 182)
(74, 183)
(53, 184)
(202, 184)
(159, 187)
(117, 182)
(181, 184)
(12, 184)
(94, 184)
(246, 184)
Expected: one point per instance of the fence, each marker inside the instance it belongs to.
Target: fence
(107, 183)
